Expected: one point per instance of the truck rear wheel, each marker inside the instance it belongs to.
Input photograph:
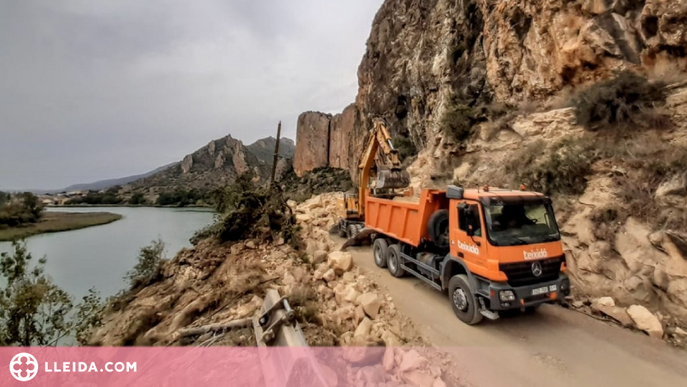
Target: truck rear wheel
(380, 251)
(438, 229)
(463, 300)
(394, 261)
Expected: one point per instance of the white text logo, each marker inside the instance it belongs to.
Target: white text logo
(469, 248)
(24, 367)
(535, 254)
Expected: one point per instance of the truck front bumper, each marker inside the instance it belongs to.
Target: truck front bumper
(526, 296)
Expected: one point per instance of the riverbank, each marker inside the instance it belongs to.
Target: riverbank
(58, 222)
(127, 206)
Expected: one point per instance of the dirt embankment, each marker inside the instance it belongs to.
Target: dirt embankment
(215, 283)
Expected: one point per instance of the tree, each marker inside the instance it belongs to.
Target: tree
(35, 311)
(138, 199)
(4, 198)
(150, 261)
(32, 205)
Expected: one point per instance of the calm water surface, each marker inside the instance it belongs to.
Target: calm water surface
(100, 256)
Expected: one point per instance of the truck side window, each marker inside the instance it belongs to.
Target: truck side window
(465, 220)
(476, 224)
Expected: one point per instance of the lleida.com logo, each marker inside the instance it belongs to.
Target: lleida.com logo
(24, 367)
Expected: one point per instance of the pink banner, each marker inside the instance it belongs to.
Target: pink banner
(215, 366)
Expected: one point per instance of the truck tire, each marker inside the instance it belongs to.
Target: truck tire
(394, 261)
(463, 300)
(380, 252)
(438, 228)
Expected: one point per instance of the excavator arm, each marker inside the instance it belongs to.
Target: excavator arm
(393, 178)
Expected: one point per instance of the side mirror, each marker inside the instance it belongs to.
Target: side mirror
(471, 231)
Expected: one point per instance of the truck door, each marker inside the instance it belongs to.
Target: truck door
(467, 240)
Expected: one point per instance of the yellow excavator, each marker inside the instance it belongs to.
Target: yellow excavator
(383, 180)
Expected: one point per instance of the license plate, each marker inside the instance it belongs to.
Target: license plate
(544, 290)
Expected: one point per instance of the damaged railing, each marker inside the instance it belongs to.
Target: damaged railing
(275, 326)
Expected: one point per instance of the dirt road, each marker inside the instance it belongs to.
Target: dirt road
(554, 347)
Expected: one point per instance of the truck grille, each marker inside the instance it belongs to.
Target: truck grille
(520, 273)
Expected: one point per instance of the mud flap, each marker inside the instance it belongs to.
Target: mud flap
(363, 238)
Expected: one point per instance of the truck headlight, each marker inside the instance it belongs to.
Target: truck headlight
(506, 295)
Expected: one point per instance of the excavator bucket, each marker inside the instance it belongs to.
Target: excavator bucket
(392, 179)
(363, 238)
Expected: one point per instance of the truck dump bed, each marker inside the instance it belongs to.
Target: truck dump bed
(404, 220)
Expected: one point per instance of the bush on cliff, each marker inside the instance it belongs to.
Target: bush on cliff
(628, 100)
(563, 169)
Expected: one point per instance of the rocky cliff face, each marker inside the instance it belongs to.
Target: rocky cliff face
(427, 59)
(220, 163)
(425, 55)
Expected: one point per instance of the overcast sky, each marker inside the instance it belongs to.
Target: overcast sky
(98, 89)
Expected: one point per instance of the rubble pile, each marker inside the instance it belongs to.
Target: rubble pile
(636, 317)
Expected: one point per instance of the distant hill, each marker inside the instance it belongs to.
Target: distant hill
(264, 149)
(219, 163)
(105, 184)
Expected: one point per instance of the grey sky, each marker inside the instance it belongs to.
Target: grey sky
(91, 90)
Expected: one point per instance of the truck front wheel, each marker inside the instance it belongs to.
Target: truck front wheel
(463, 300)
(394, 261)
(380, 251)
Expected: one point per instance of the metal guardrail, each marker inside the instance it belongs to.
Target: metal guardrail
(277, 326)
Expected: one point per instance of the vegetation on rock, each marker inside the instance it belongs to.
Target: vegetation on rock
(627, 101)
(246, 211)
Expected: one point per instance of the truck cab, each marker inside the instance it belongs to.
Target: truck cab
(509, 246)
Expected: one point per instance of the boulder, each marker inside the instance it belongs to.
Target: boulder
(646, 321)
(680, 332)
(388, 360)
(342, 314)
(438, 382)
(352, 295)
(341, 262)
(363, 354)
(371, 374)
(363, 329)
(320, 256)
(616, 313)
(303, 218)
(412, 361)
(390, 339)
(250, 245)
(604, 301)
(359, 314)
(329, 275)
(371, 304)
(418, 378)
(348, 277)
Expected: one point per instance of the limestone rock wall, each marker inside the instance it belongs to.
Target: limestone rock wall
(312, 142)
(330, 141)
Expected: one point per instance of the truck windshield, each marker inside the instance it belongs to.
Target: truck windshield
(511, 224)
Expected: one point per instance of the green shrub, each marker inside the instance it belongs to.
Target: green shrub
(563, 169)
(458, 121)
(150, 260)
(628, 99)
(405, 147)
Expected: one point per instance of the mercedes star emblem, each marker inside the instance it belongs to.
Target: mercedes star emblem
(537, 269)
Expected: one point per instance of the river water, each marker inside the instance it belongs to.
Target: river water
(100, 256)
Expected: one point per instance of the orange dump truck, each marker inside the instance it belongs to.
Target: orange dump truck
(491, 249)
